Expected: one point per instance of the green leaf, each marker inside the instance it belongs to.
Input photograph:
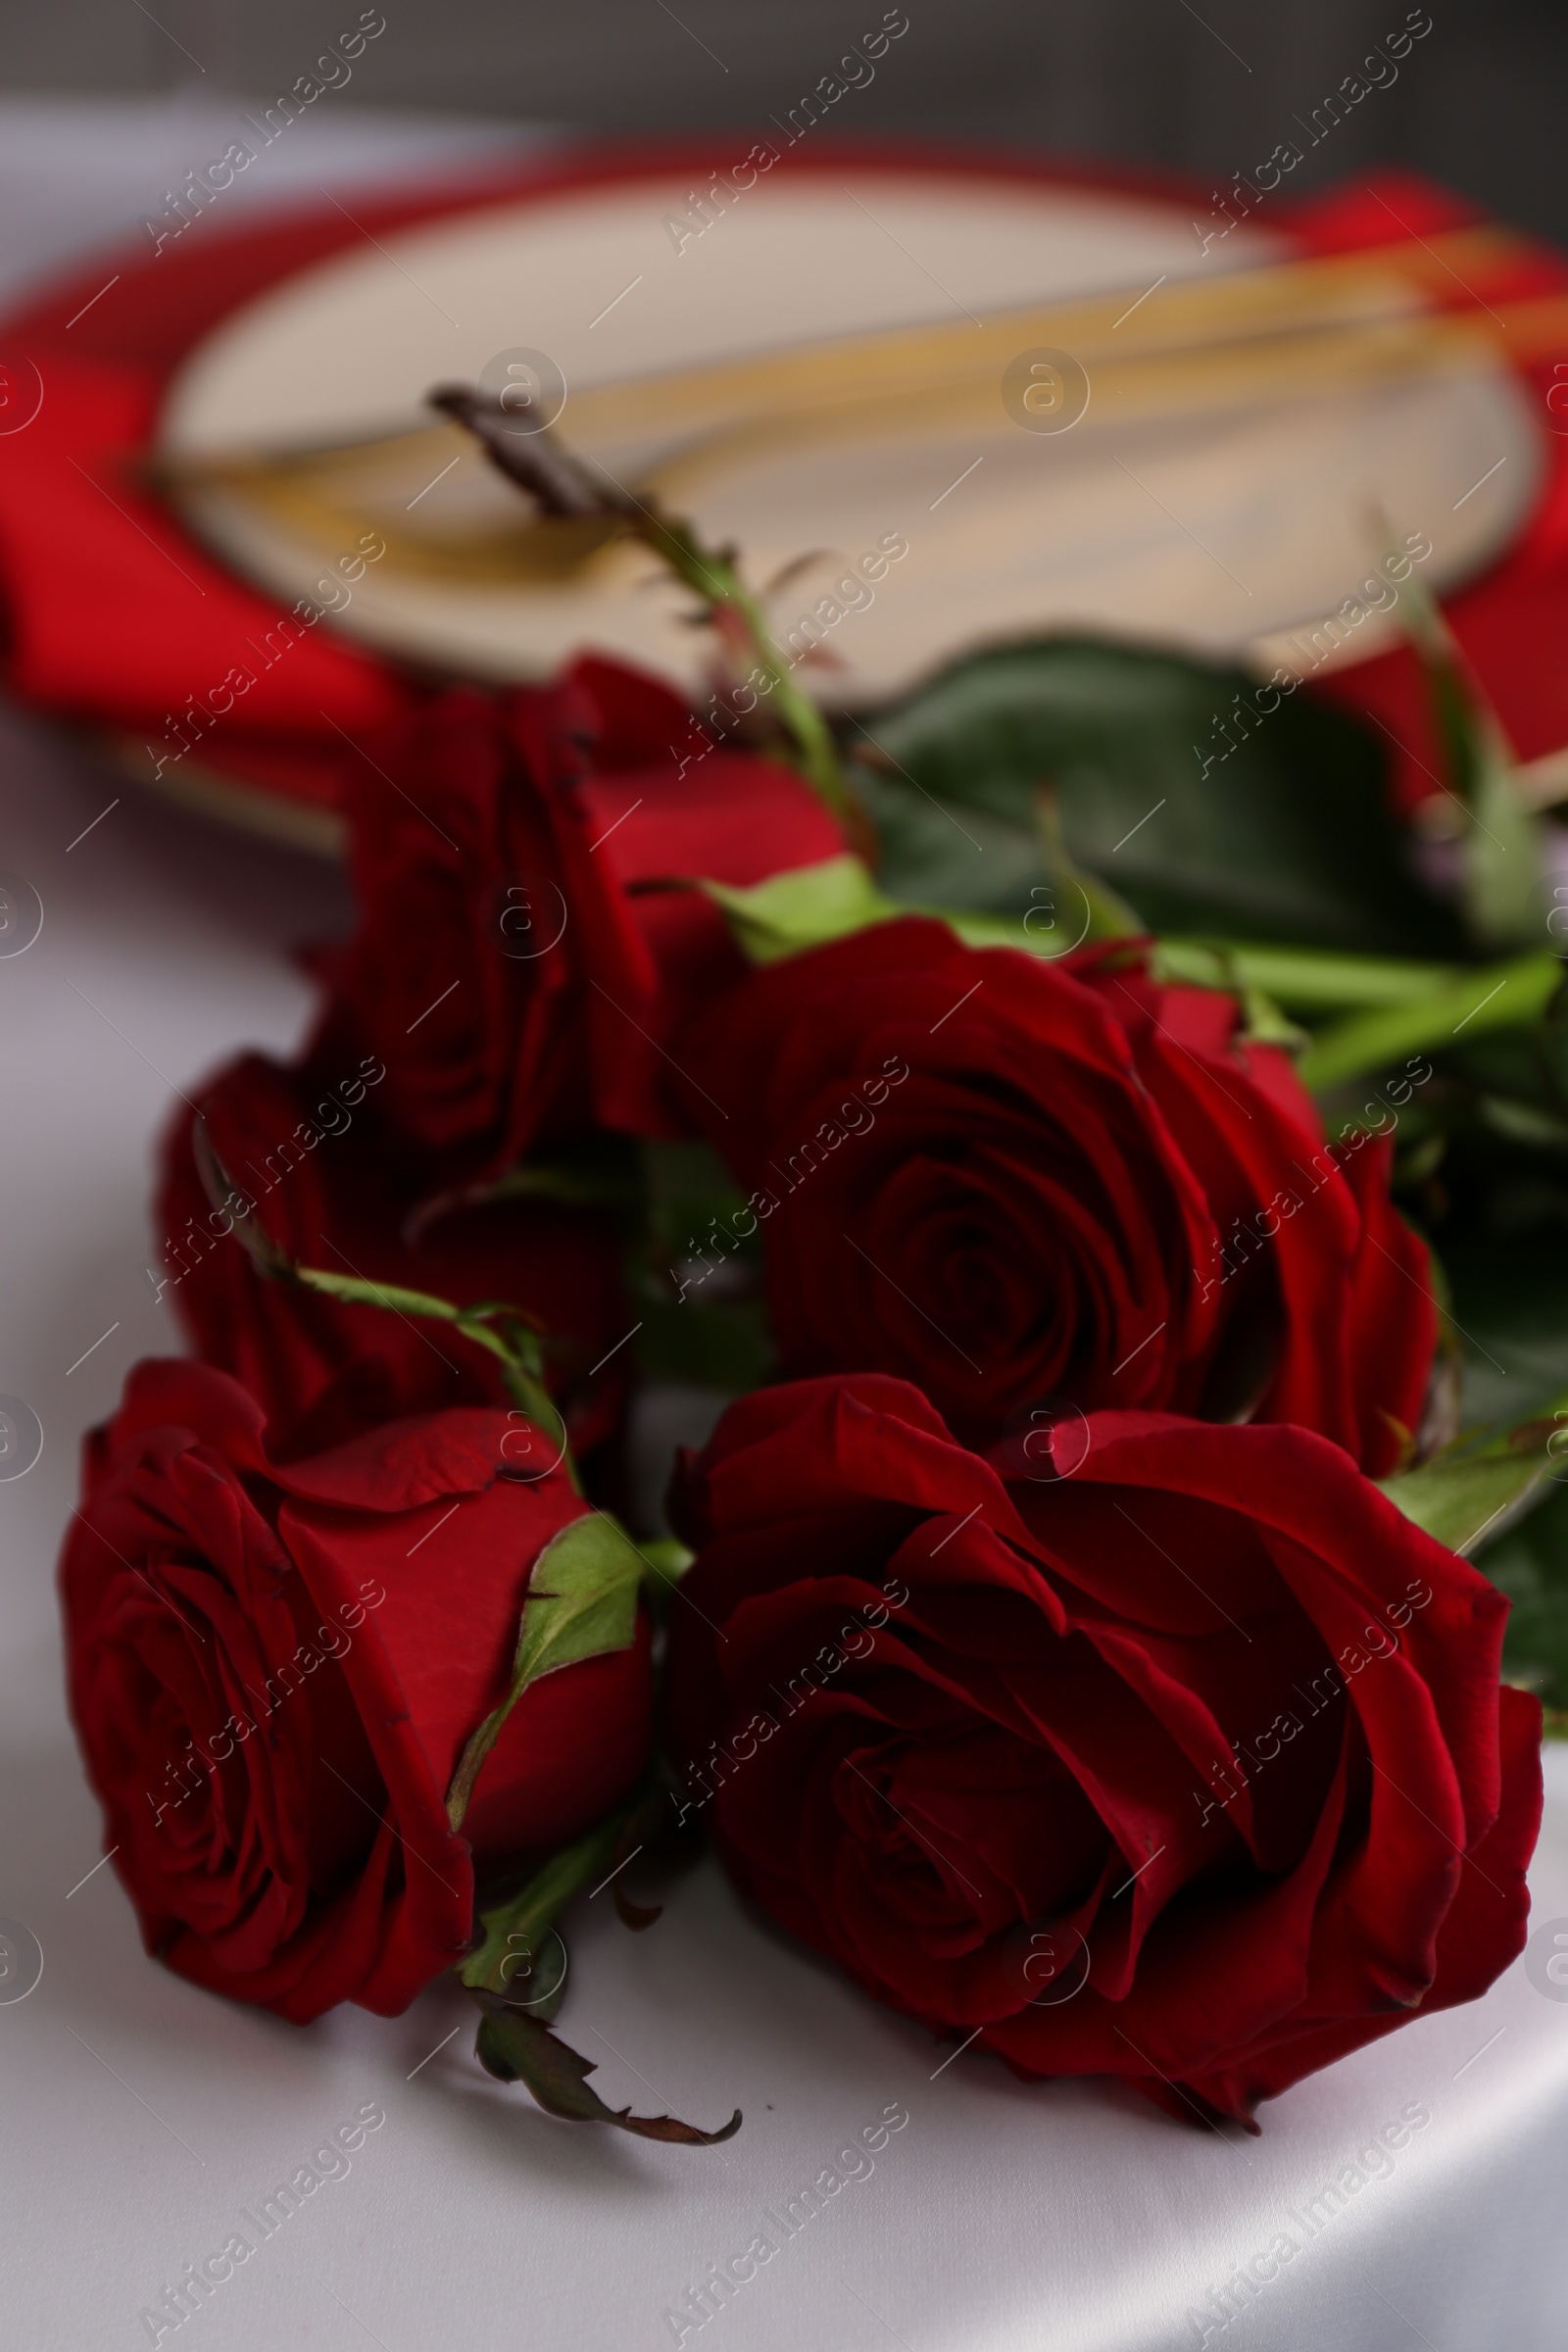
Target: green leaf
(1531, 1566)
(1479, 1486)
(1503, 996)
(517, 2049)
(1106, 914)
(813, 905)
(1459, 1501)
(581, 1602)
(1398, 1006)
(803, 907)
(581, 1598)
(809, 905)
(931, 850)
(979, 929)
(1285, 836)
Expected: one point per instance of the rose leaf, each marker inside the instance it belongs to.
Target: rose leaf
(1476, 1487)
(1531, 1566)
(804, 908)
(581, 1602)
(518, 2049)
(1211, 804)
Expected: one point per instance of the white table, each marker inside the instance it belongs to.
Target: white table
(141, 2116)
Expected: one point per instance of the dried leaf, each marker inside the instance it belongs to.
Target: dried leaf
(518, 2049)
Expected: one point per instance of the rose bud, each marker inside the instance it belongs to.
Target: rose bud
(1007, 1179)
(521, 957)
(330, 1188)
(1146, 1748)
(274, 1672)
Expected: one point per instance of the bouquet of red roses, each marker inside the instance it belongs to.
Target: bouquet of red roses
(1066, 1623)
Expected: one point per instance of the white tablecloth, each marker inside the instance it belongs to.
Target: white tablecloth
(142, 2118)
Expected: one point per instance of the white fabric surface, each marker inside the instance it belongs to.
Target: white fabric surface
(141, 2116)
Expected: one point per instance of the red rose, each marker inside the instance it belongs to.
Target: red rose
(274, 1672)
(1009, 1181)
(520, 960)
(306, 1149)
(1186, 1764)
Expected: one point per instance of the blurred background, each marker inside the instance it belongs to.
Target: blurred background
(1477, 103)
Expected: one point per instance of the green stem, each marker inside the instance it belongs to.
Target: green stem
(562, 485)
(515, 1346)
(355, 1291)
(538, 1904)
(1503, 996)
(716, 581)
(1304, 980)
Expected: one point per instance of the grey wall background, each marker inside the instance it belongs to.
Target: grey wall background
(1480, 102)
